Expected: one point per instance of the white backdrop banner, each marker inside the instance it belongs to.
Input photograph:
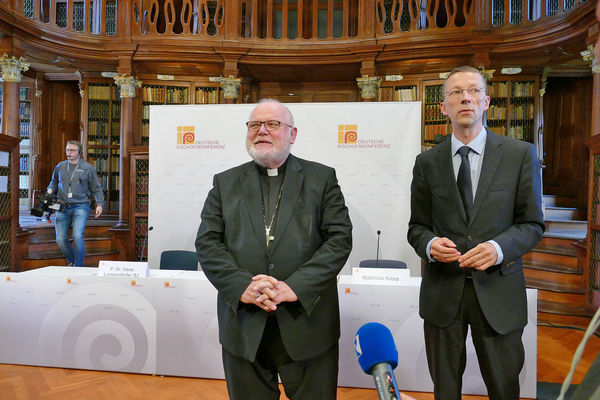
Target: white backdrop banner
(372, 146)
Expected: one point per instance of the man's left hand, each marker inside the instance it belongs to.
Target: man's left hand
(480, 257)
(284, 293)
(98, 211)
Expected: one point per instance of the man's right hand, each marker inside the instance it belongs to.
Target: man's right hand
(49, 191)
(261, 292)
(444, 250)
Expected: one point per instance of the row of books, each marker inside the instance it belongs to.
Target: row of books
(208, 96)
(23, 94)
(432, 130)
(103, 140)
(161, 94)
(522, 111)
(103, 92)
(522, 89)
(496, 112)
(101, 163)
(433, 94)
(105, 179)
(25, 128)
(498, 89)
(141, 204)
(24, 163)
(24, 110)
(521, 132)
(399, 93)
(98, 110)
(433, 112)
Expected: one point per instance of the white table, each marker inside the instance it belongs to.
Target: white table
(167, 324)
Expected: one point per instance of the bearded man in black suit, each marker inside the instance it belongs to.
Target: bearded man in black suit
(274, 235)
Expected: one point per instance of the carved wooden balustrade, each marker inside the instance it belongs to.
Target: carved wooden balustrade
(290, 21)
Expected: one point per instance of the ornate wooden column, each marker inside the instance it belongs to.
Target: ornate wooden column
(588, 55)
(368, 85)
(128, 85)
(11, 74)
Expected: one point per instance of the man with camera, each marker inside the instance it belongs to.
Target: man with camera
(74, 181)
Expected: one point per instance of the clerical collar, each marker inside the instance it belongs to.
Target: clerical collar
(272, 171)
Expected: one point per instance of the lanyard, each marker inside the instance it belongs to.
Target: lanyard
(72, 174)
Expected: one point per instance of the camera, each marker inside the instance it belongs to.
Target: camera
(47, 203)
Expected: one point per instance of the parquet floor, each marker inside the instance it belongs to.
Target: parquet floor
(555, 350)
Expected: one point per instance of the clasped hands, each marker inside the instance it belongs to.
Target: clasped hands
(480, 257)
(267, 292)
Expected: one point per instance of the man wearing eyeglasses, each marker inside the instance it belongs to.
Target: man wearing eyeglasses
(475, 211)
(74, 181)
(275, 233)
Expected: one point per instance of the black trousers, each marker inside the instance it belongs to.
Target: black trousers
(500, 357)
(311, 379)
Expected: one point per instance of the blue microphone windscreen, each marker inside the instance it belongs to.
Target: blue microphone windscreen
(374, 344)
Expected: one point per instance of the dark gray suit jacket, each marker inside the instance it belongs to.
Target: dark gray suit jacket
(506, 208)
(313, 238)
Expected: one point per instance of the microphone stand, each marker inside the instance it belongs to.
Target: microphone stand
(145, 240)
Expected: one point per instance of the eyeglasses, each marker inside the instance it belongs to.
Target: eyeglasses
(71, 150)
(472, 91)
(271, 125)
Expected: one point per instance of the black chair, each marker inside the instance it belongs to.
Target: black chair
(179, 259)
(382, 264)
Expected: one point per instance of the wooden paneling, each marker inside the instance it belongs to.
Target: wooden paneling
(63, 110)
(567, 108)
(309, 92)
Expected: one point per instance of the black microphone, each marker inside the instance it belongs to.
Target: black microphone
(145, 240)
(378, 356)
(377, 255)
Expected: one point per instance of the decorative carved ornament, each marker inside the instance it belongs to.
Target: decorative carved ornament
(588, 55)
(368, 85)
(230, 85)
(11, 68)
(128, 85)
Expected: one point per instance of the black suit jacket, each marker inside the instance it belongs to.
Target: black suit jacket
(506, 208)
(313, 238)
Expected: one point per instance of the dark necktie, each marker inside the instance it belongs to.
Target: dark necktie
(464, 180)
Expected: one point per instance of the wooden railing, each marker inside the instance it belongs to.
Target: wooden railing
(293, 20)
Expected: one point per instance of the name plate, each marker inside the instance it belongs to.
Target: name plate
(380, 275)
(132, 269)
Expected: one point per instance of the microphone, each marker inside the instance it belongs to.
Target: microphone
(145, 240)
(378, 356)
(377, 255)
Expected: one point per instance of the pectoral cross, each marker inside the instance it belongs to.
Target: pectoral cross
(268, 235)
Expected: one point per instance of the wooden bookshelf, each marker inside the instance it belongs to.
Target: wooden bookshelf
(159, 94)
(139, 200)
(404, 92)
(208, 95)
(103, 126)
(25, 123)
(435, 124)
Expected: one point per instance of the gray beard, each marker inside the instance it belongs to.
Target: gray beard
(274, 157)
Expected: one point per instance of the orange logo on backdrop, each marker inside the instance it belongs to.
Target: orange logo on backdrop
(186, 135)
(347, 133)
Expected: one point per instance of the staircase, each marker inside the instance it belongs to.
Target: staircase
(43, 250)
(555, 266)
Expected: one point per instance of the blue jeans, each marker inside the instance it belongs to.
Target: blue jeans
(75, 215)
